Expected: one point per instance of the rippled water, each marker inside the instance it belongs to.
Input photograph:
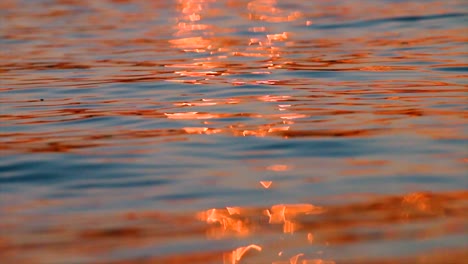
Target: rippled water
(233, 131)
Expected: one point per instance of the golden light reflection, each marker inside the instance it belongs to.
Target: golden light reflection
(236, 255)
(201, 130)
(117, 80)
(228, 220)
(210, 102)
(328, 226)
(196, 44)
(232, 220)
(332, 224)
(191, 115)
(278, 167)
(266, 184)
(296, 260)
(274, 98)
(266, 10)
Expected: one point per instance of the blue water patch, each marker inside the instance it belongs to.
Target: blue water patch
(452, 69)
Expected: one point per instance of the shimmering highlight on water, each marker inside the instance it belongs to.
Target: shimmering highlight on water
(222, 131)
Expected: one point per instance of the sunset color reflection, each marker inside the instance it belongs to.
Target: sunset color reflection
(233, 131)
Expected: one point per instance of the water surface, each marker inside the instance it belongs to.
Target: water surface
(246, 131)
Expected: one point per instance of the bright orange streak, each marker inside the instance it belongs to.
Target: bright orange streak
(236, 255)
(266, 184)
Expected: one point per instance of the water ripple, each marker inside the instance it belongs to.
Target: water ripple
(218, 131)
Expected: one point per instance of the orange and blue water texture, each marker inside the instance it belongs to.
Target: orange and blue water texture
(233, 131)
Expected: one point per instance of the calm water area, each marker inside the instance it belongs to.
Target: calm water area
(233, 131)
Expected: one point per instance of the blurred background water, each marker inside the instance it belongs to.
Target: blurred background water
(233, 131)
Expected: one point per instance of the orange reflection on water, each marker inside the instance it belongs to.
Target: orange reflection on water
(298, 259)
(201, 130)
(281, 213)
(266, 184)
(236, 255)
(93, 234)
(232, 220)
(381, 85)
(278, 167)
(197, 44)
(191, 115)
(335, 224)
(266, 10)
(228, 220)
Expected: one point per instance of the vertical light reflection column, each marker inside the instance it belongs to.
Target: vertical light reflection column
(193, 36)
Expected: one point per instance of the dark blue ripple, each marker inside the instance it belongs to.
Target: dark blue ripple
(375, 22)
